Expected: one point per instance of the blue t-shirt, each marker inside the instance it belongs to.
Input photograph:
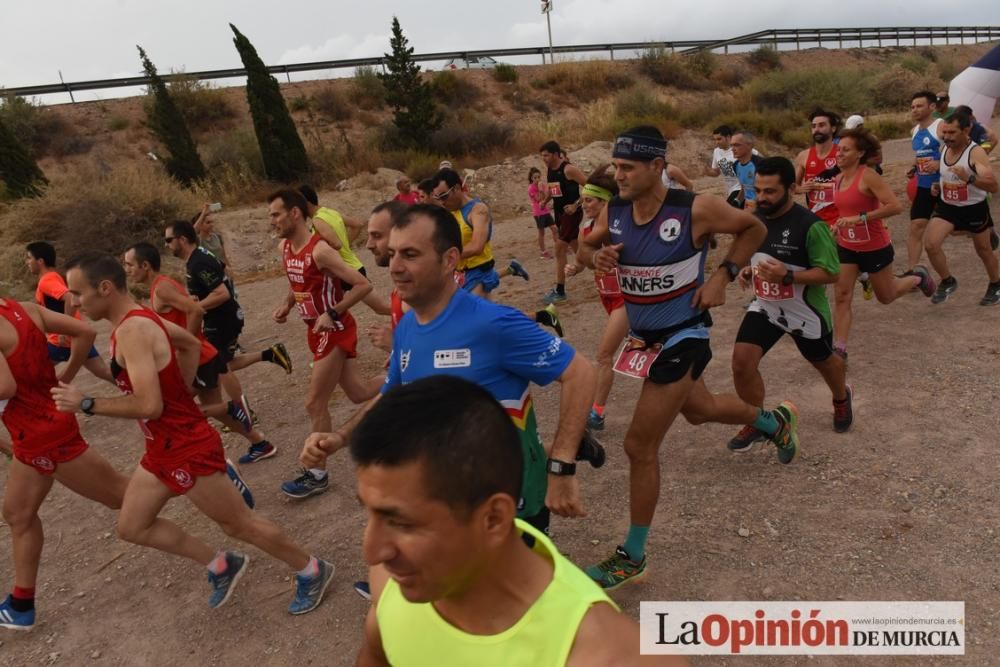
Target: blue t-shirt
(746, 173)
(499, 349)
(927, 148)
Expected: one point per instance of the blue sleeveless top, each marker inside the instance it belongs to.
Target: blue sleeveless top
(659, 268)
(927, 147)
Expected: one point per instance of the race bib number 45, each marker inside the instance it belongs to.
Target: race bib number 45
(636, 358)
(954, 192)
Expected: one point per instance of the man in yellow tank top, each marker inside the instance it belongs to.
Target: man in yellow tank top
(338, 230)
(453, 580)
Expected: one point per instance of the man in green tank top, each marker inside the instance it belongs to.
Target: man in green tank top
(453, 581)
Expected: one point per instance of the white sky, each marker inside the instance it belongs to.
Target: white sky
(95, 39)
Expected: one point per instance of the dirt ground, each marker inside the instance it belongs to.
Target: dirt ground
(900, 508)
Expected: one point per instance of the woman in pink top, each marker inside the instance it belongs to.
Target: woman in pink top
(864, 201)
(542, 214)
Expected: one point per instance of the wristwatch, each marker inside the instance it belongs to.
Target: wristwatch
(788, 278)
(560, 468)
(732, 268)
(334, 315)
(972, 178)
(87, 406)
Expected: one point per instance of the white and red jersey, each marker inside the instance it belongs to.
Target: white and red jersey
(315, 290)
(824, 171)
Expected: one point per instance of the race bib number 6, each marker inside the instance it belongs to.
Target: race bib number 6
(636, 358)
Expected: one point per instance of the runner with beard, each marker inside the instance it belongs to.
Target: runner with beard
(816, 167)
(926, 143)
(788, 275)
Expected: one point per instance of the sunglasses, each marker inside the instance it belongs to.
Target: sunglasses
(444, 195)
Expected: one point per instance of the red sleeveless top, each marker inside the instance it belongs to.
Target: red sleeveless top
(850, 202)
(179, 317)
(315, 290)
(821, 202)
(31, 415)
(181, 427)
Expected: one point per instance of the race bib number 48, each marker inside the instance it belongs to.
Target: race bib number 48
(636, 358)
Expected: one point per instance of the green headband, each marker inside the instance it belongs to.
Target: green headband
(597, 192)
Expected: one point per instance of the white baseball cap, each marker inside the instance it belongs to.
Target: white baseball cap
(854, 121)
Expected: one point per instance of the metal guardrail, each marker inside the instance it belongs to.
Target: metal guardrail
(774, 37)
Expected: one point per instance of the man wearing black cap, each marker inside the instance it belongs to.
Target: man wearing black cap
(658, 241)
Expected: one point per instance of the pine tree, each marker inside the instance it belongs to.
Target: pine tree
(18, 169)
(171, 129)
(281, 148)
(415, 114)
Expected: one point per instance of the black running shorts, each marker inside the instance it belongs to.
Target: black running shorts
(673, 363)
(757, 330)
(923, 204)
(974, 219)
(569, 225)
(208, 373)
(869, 262)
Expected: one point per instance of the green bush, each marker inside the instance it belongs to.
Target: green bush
(702, 63)
(764, 58)
(298, 104)
(914, 63)
(42, 129)
(895, 85)
(418, 165)
(668, 69)
(770, 125)
(585, 80)
(236, 149)
(807, 88)
(331, 104)
(453, 89)
(889, 127)
(470, 134)
(201, 105)
(118, 123)
(367, 90)
(505, 73)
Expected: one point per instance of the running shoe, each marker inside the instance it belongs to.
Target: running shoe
(309, 590)
(927, 284)
(241, 486)
(517, 269)
(553, 317)
(554, 296)
(787, 437)
(363, 589)
(843, 413)
(595, 422)
(866, 287)
(992, 296)
(945, 289)
(280, 356)
(240, 413)
(223, 584)
(306, 485)
(617, 570)
(258, 452)
(12, 619)
(591, 450)
(743, 442)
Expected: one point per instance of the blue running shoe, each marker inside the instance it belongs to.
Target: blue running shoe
(309, 590)
(241, 486)
(363, 589)
(223, 584)
(517, 269)
(553, 296)
(595, 422)
(258, 452)
(239, 413)
(306, 485)
(16, 620)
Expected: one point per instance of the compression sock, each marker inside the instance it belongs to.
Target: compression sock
(544, 318)
(561, 288)
(598, 409)
(766, 422)
(218, 564)
(22, 599)
(635, 542)
(267, 355)
(311, 569)
(318, 473)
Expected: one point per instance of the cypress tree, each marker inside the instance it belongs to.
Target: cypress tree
(171, 129)
(415, 114)
(281, 148)
(18, 169)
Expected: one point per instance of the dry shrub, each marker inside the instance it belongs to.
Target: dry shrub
(454, 89)
(331, 104)
(524, 100)
(470, 133)
(90, 208)
(669, 69)
(505, 73)
(367, 89)
(42, 128)
(201, 105)
(894, 86)
(585, 80)
(418, 165)
(764, 58)
(889, 127)
(764, 125)
(804, 89)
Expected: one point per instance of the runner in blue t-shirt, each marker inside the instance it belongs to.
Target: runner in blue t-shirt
(449, 331)
(745, 166)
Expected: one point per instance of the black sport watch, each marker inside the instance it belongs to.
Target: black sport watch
(87, 406)
(788, 278)
(732, 268)
(560, 468)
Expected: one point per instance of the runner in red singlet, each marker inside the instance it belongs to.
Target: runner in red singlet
(597, 192)
(154, 363)
(170, 300)
(47, 445)
(816, 167)
(315, 271)
(865, 201)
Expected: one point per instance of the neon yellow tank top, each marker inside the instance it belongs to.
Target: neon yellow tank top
(334, 219)
(487, 254)
(415, 635)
